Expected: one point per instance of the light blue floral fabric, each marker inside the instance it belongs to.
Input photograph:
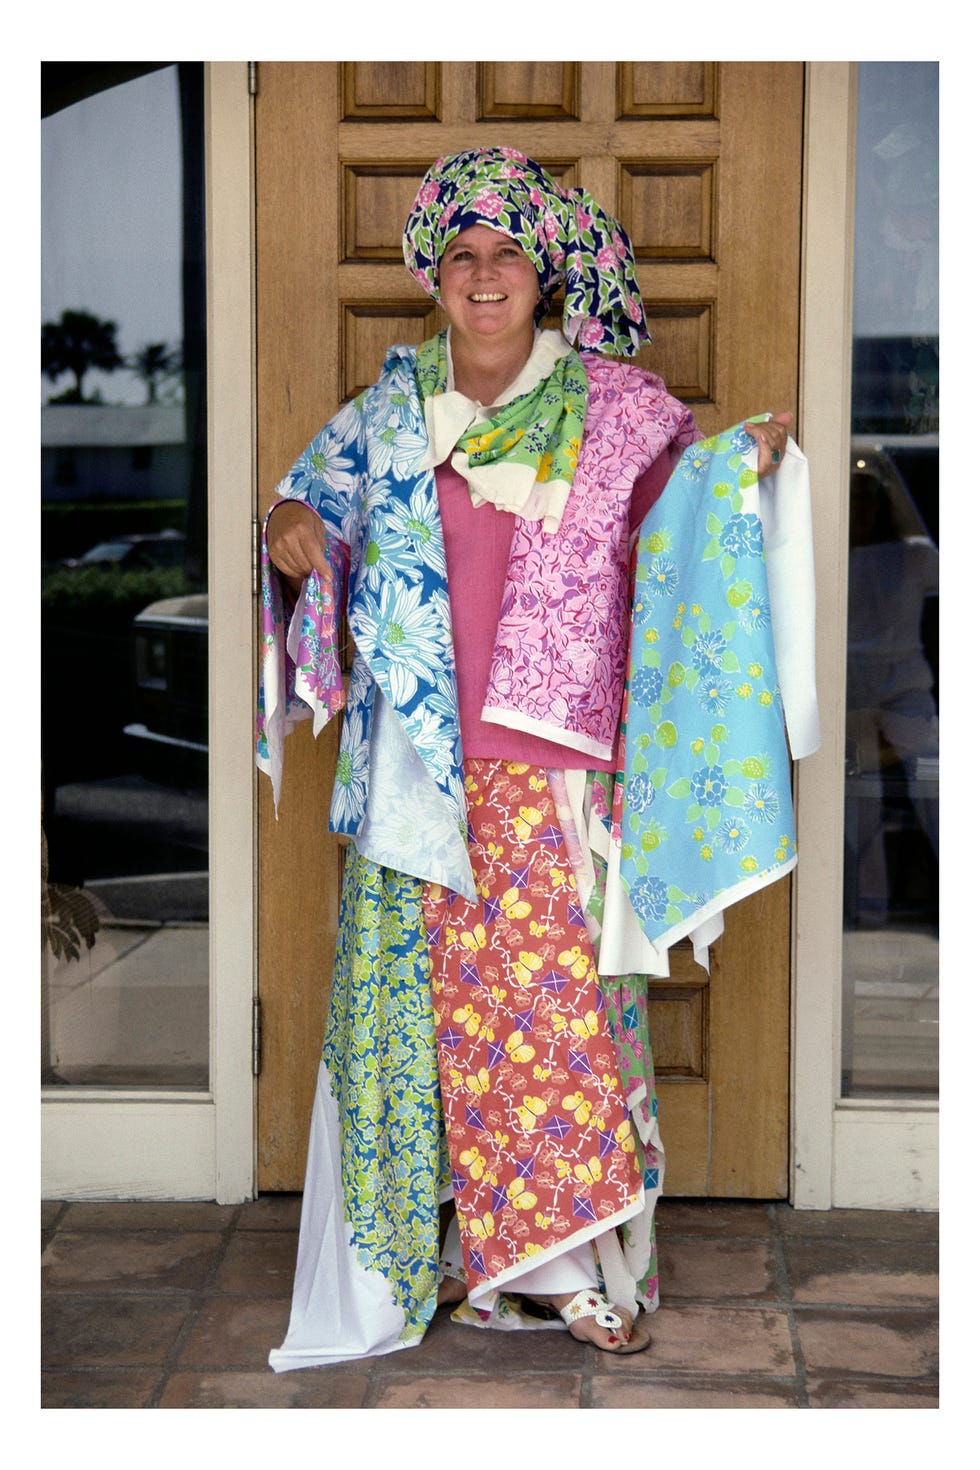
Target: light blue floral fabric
(707, 808)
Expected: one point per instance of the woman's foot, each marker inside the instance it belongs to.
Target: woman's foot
(451, 1291)
(591, 1318)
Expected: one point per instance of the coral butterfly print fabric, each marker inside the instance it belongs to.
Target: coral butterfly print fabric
(542, 1148)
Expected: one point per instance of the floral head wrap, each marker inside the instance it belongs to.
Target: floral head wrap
(568, 237)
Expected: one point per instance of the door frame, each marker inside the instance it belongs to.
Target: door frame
(202, 1145)
(847, 1153)
(100, 1143)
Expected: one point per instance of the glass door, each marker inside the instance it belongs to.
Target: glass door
(890, 998)
(124, 595)
(148, 939)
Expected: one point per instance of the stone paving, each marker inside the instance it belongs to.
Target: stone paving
(176, 1305)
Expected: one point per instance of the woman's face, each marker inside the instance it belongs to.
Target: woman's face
(488, 288)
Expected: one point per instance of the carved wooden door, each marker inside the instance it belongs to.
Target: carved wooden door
(702, 163)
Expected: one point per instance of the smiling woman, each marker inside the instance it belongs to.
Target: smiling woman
(489, 291)
(479, 1054)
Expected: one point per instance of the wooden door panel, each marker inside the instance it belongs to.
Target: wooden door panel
(702, 162)
(658, 89)
(408, 90)
(517, 91)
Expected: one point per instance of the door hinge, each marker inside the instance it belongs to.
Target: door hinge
(256, 1037)
(253, 78)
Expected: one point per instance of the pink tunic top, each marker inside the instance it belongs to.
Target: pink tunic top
(478, 542)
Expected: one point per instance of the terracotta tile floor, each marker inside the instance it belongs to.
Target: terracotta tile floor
(763, 1306)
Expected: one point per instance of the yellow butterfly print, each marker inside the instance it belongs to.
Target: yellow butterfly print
(475, 938)
(482, 1229)
(513, 905)
(589, 1173)
(468, 1018)
(501, 1139)
(479, 1083)
(586, 1026)
(537, 783)
(561, 879)
(578, 1105)
(538, 930)
(624, 1136)
(525, 822)
(525, 967)
(576, 961)
(530, 1111)
(518, 1049)
(494, 850)
(516, 768)
(520, 1198)
(543, 1222)
(498, 992)
(541, 1074)
(474, 1162)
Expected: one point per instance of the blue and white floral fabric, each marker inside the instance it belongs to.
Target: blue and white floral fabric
(361, 475)
(722, 670)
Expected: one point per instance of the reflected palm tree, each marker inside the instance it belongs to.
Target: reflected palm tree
(152, 364)
(76, 343)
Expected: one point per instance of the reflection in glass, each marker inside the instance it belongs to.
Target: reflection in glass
(891, 865)
(124, 595)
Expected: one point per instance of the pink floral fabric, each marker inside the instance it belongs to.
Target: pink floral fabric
(559, 661)
(300, 676)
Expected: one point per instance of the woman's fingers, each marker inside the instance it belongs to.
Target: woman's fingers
(772, 438)
(295, 539)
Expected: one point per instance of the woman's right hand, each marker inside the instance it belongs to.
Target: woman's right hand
(295, 538)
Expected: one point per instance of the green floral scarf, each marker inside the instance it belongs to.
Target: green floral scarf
(541, 429)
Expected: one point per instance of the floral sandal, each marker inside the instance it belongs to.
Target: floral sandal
(592, 1303)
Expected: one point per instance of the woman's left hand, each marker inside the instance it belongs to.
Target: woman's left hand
(771, 437)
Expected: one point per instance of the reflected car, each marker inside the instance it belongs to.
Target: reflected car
(170, 687)
(134, 552)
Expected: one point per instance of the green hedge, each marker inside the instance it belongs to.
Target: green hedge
(105, 596)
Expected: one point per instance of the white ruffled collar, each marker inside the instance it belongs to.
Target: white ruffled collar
(510, 487)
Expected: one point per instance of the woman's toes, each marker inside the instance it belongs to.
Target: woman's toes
(451, 1290)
